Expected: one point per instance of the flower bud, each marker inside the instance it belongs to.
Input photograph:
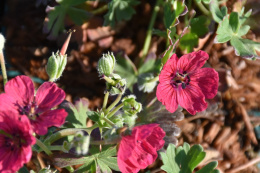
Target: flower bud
(56, 65)
(106, 64)
(131, 106)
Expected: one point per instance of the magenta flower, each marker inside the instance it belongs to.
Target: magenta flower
(184, 82)
(139, 150)
(15, 141)
(19, 95)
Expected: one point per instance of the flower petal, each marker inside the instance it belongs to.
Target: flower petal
(192, 99)
(207, 79)
(21, 88)
(167, 95)
(47, 119)
(48, 96)
(192, 61)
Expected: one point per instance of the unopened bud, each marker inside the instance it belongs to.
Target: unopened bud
(106, 64)
(56, 65)
(131, 106)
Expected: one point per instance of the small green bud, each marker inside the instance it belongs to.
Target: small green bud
(56, 65)
(81, 143)
(129, 119)
(131, 106)
(106, 64)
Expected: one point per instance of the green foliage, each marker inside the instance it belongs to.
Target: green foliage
(119, 10)
(232, 29)
(126, 69)
(66, 7)
(105, 160)
(77, 115)
(185, 159)
(199, 27)
(217, 14)
(172, 10)
(205, 1)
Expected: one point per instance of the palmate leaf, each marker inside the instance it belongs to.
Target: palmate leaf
(66, 7)
(217, 14)
(77, 114)
(185, 159)
(231, 29)
(119, 10)
(199, 28)
(105, 160)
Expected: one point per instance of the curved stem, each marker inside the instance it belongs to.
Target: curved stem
(2, 61)
(119, 96)
(67, 132)
(112, 82)
(105, 100)
(43, 147)
(100, 10)
(108, 121)
(103, 142)
(202, 8)
(115, 110)
(155, 79)
(149, 31)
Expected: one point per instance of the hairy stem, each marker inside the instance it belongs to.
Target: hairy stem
(117, 100)
(149, 31)
(115, 110)
(105, 100)
(2, 61)
(43, 147)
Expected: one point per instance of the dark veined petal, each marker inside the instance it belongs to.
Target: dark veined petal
(21, 89)
(47, 119)
(192, 61)
(207, 79)
(48, 96)
(192, 99)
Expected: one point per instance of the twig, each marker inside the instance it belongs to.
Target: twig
(39, 158)
(239, 168)
(249, 126)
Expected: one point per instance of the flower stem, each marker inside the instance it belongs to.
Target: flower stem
(100, 10)
(2, 61)
(103, 142)
(67, 132)
(149, 31)
(108, 121)
(155, 79)
(43, 147)
(105, 100)
(112, 82)
(202, 8)
(119, 96)
(115, 110)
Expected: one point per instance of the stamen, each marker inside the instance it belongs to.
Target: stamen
(183, 85)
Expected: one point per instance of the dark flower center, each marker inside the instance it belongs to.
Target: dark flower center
(30, 111)
(182, 79)
(14, 141)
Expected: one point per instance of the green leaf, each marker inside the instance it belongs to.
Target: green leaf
(66, 7)
(126, 69)
(224, 32)
(205, 1)
(23, 170)
(185, 159)
(76, 114)
(234, 22)
(147, 66)
(119, 10)
(231, 30)
(172, 11)
(210, 166)
(245, 48)
(189, 41)
(217, 14)
(145, 84)
(199, 26)
(94, 116)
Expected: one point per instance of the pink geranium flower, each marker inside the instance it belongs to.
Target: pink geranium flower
(16, 140)
(184, 82)
(19, 95)
(139, 150)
